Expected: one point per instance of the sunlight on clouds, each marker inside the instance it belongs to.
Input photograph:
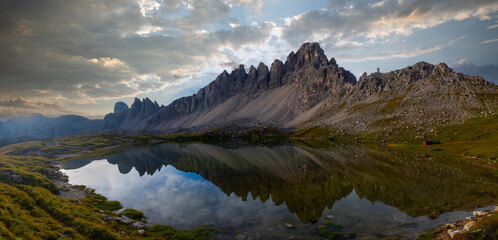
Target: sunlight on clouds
(147, 6)
(462, 61)
(490, 41)
(109, 62)
(396, 54)
(148, 29)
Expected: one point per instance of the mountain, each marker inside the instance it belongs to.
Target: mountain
(284, 95)
(37, 125)
(308, 89)
(120, 106)
(422, 95)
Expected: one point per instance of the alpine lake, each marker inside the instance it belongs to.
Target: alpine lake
(289, 190)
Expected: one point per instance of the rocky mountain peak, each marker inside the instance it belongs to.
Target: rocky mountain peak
(144, 108)
(425, 69)
(120, 106)
(308, 53)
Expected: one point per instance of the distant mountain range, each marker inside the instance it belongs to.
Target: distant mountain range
(37, 125)
(308, 89)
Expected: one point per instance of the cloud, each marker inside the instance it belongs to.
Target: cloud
(490, 41)
(203, 12)
(20, 106)
(488, 72)
(348, 21)
(91, 51)
(396, 54)
(254, 5)
(21, 103)
(493, 26)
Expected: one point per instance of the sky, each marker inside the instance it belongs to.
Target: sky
(61, 57)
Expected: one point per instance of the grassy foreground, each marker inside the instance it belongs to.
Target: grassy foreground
(30, 207)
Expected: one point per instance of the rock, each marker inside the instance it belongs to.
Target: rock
(288, 225)
(276, 74)
(329, 216)
(496, 209)
(452, 233)
(106, 218)
(469, 225)
(63, 235)
(240, 237)
(123, 219)
(468, 218)
(449, 226)
(120, 106)
(139, 224)
(17, 178)
(479, 213)
(141, 232)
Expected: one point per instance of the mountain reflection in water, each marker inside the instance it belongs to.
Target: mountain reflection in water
(260, 189)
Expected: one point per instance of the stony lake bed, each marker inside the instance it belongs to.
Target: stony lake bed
(289, 190)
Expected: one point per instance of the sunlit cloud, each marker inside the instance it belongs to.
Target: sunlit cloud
(490, 41)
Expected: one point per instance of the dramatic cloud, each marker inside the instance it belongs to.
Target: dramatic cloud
(21, 103)
(352, 21)
(20, 106)
(91, 51)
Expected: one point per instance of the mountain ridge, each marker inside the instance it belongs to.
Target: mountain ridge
(305, 90)
(308, 89)
(38, 125)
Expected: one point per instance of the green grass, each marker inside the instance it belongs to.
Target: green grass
(32, 210)
(487, 228)
(133, 214)
(315, 132)
(476, 137)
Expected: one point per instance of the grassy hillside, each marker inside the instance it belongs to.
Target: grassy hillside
(30, 207)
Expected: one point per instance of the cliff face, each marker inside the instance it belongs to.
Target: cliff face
(284, 94)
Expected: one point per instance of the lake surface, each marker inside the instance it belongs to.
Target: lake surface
(289, 190)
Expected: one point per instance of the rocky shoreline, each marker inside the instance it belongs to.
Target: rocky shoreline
(460, 229)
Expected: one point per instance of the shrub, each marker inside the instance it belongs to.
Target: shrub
(133, 214)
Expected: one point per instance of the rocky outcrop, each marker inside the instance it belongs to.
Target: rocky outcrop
(421, 96)
(37, 125)
(133, 116)
(120, 106)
